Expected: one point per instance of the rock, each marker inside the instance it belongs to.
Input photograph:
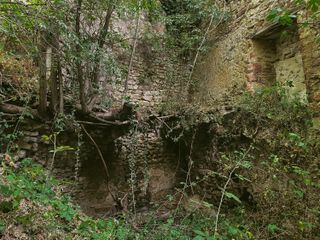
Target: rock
(25, 146)
(147, 98)
(196, 204)
(22, 154)
(35, 147)
(31, 134)
(30, 139)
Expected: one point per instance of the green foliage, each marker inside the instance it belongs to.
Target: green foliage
(281, 16)
(26, 183)
(5, 136)
(276, 106)
(274, 189)
(10, 133)
(2, 226)
(285, 17)
(273, 228)
(27, 198)
(313, 5)
(233, 197)
(38, 206)
(186, 21)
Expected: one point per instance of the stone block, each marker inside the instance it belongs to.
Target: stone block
(31, 134)
(25, 146)
(30, 139)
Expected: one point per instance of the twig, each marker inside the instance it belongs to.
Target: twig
(190, 164)
(98, 149)
(204, 40)
(54, 141)
(221, 199)
(22, 4)
(160, 120)
(133, 48)
(168, 116)
(103, 162)
(103, 124)
(224, 191)
(117, 123)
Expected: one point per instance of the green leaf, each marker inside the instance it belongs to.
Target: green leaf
(243, 178)
(232, 196)
(299, 193)
(273, 228)
(233, 231)
(5, 190)
(46, 138)
(198, 238)
(2, 226)
(64, 148)
(200, 233)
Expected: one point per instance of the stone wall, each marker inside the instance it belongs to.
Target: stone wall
(248, 51)
(156, 75)
(141, 170)
(153, 168)
(311, 61)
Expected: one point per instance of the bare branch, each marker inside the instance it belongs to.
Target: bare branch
(136, 32)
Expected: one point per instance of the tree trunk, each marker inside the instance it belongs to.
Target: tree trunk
(54, 85)
(60, 80)
(56, 77)
(45, 71)
(83, 82)
(101, 42)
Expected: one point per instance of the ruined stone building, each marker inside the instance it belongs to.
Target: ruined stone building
(246, 51)
(250, 51)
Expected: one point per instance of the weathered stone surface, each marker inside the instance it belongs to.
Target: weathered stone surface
(22, 154)
(155, 74)
(31, 134)
(247, 50)
(25, 146)
(139, 163)
(30, 139)
(155, 165)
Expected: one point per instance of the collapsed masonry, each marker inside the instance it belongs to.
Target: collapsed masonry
(145, 163)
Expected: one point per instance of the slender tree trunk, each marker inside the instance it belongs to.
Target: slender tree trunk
(54, 78)
(60, 80)
(95, 74)
(82, 81)
(45, 71)
(101, 42)
(56, 84)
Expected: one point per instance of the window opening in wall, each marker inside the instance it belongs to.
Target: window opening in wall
(277, 57)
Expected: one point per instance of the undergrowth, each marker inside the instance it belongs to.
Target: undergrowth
(32, 207)
(252, 173)
(277, 197)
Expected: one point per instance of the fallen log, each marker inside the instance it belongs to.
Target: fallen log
(14, 109)
(117, 118)
(105, 123)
